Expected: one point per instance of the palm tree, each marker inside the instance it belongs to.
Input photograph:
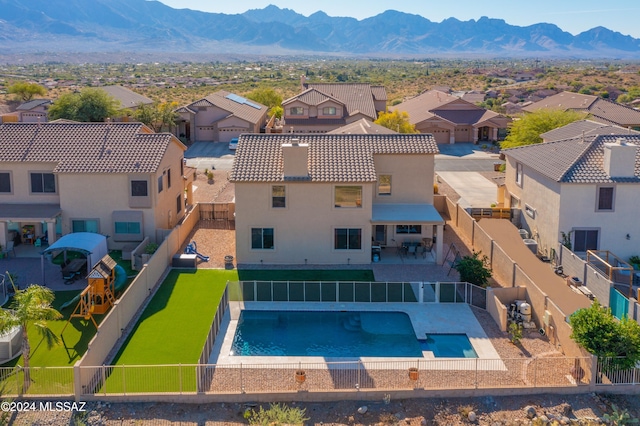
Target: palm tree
(31, 306)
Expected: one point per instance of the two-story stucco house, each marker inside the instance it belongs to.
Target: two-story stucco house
(583, 190)
(116, 179)
(220, 117)
(326, 199)
(451, 119)
(323, 107)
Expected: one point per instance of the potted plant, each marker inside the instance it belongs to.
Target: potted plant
(633, 260)
(301, 376)
(413, 373)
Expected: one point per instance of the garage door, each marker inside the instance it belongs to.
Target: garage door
(205, 133)
(440, 135)
(227, 134)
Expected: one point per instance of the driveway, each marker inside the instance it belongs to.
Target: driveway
(465, 157)
(474, 189)
(209, 155)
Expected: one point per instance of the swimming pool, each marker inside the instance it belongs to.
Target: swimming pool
(325, 333)
(449, 346)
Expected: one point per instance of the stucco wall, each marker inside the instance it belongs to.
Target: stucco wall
(578, 210)
(21, 183)
(543, 196)
(411, 178)
(304, 229)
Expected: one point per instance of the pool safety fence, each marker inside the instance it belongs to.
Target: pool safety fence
(356, 291)
(429, 374)
(248, 378)
(37, 381)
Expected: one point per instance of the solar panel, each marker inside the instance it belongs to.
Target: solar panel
(241, 100)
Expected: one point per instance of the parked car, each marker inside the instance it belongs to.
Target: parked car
(233, 144)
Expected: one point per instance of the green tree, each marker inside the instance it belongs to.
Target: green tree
(88, 105)
(472, 269)
(266, 96)
(598, 331)
(397, 121)
(160, 116)
(527, 129)
(278, 111)
(25, 91)
(30, 307)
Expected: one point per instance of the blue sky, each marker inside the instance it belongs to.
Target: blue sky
(573, 16)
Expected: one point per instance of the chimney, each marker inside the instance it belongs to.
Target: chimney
(620, 158)
(303, 81)
(295, 158)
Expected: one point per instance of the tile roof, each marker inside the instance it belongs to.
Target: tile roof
(563, 100)
(331, 158)
(362, 127)
(240, 110)
(429, 105)
(574, 160)
(357, 97)
(589, 127)
(27, 106)
(128, 98)
(313, 97)
(601, 109)
(85, 147)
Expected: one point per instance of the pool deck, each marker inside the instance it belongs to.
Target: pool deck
(427, 318)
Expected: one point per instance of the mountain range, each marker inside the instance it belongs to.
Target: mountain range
(28, 26)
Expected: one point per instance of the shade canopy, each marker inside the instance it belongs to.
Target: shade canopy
(89, 243)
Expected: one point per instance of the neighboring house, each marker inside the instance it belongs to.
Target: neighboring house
(584, 128)
(116, 179)
(33, 111)
(585, 188)
(127, 98)
(326, 199)
(451, 119)
(362, 127)
(599, 109)
(220, 117)
(322, 107)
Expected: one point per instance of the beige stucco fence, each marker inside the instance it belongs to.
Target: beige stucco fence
(112, 328)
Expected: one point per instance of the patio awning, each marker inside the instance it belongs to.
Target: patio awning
(29, 212)
(406, 213)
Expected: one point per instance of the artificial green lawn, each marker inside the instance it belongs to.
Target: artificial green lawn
(175, 324)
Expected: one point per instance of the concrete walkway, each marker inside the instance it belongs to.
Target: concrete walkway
(474, 189)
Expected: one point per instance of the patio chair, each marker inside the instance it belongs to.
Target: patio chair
(400, 249)
(412, 249)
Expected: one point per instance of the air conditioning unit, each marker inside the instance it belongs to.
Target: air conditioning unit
(532, 244)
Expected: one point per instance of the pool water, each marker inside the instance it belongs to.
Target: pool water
(326, 334)
(449, 346)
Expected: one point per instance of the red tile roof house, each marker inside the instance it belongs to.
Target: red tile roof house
(451, 119)
(220, 117)
(599, 109)
(116, 179)
(323, 107)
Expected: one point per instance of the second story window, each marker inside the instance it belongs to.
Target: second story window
(348, 196)
(519, 174)
(139, 188)
(384, 185)
(605, 198)
(159, 184)
(329, 111)
(296, 111)
(5, 183)
(278, 196)
(43, 183)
